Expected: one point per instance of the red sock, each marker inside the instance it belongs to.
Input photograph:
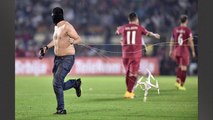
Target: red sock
(126, 81)
(178, 74)
(127, 77)
(183, 77)
(131, 83)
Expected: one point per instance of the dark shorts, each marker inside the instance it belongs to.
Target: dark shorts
(131, 64)
(182, 60)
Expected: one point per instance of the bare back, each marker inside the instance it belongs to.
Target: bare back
(61, 39)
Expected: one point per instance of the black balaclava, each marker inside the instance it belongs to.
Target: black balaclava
(57, 15)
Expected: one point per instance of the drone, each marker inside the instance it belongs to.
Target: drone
(146, 85)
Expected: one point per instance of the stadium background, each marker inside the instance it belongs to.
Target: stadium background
(96, 22)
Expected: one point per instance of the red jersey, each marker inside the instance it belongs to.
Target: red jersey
(132, 40)
(180, 35)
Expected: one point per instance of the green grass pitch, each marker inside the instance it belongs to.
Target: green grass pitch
(102, 99)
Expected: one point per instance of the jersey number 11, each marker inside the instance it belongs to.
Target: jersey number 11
(132, 39)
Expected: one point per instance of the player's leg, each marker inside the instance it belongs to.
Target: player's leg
(126, 66)
(183, 75)
(127, 82)
(184, 64)
(132, 76)
(178, 76)
(132, 81)
(127, 73)
(178, 72)
(133, 72)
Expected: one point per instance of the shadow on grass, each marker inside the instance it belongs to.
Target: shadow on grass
(104, 99)
(98, 111)
(48, 116)
(154, 92)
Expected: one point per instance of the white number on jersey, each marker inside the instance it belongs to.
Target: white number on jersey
(131, 40)
(180, 39)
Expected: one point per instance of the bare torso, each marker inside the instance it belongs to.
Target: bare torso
(62, 45)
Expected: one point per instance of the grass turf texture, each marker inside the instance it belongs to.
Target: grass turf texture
(102, 99)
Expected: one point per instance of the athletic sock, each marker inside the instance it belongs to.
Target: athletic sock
(183, 77)
(178, 75)
(127, 77)
(131, 83)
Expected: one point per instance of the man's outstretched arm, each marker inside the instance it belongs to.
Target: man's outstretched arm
(151, 34)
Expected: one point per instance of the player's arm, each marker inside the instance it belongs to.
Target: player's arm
(171, 43)
(144, 46)
(119, 30)
(191, 44)
(151, 34)
(71, 32)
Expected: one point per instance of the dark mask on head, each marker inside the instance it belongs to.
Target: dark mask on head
(57, 15)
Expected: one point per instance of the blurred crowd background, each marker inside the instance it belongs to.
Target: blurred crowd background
(96, 21)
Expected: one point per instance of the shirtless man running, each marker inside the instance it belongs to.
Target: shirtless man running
(64, 38)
